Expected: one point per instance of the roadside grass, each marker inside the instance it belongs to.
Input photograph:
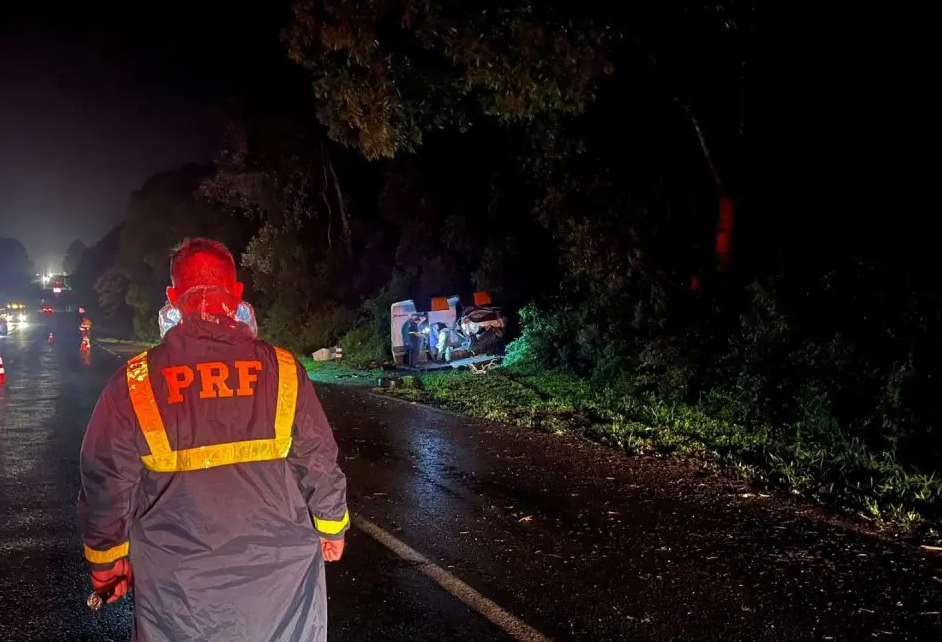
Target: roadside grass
(336, 373)
(836, 470)
(109, 340)
(831, 468)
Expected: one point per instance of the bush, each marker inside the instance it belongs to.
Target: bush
(367, 342)
(546, 338)
(321, 330)
(363, 345)
(146, 329)
(363, 334)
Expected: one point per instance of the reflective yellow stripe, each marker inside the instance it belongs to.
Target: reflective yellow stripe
(107, 557)
(145, 406)
(287, 395)
(236, 452)
(163, 459)
(332, 527)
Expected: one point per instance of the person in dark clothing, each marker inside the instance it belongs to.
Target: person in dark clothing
(413, 339)
(209, 476)
(409, 328)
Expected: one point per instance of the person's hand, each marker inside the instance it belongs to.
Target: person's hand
(332, 548)
(117, 580)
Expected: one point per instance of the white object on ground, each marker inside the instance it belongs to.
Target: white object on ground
(327, 354)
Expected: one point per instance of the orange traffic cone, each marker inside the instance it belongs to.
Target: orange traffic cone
(85, 345)
(3, 373)
(51, 339)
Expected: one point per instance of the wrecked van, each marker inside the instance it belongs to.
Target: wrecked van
(446, 331)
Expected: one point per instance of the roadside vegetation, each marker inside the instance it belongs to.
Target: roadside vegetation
(832, 468)
(336, 373)
(129, 342)
(829, 466)
(694, 257)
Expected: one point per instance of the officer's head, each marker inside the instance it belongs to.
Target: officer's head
(205, 266)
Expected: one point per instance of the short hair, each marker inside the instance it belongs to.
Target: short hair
(202, 262)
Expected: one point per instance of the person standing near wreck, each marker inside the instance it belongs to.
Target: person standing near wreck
(209, 475)
(413, 338)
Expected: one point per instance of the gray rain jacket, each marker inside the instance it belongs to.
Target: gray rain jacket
(209, 461)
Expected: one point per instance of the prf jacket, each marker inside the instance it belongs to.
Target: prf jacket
(209, 462)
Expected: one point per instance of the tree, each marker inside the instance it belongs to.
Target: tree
(160, 216)
(95, 260)
(387, 72)
(278, 173)
(112, 288)
(16, 269)
(73, 256)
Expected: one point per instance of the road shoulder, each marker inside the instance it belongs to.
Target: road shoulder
(585, 542)
(122, 348)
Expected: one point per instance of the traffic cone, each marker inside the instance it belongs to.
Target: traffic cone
(3, 373)
(51, 339)
(85, 345)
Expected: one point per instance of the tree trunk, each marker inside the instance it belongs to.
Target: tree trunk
(707, 155)
(344, 216)
(330, 212)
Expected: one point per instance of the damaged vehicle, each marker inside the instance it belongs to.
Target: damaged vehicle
(481, 329)
(446, 332)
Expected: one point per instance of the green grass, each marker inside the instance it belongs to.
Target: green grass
(108, 340)
(835, 470)
(336, 373)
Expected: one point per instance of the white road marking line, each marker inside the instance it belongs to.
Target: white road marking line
(106, 349)
(512, 625)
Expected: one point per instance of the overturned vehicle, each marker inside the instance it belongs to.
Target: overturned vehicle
(447, 332)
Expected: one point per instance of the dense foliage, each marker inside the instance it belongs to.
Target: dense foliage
(574, 159)
(127, 273)
(73, 256)
(16, 269)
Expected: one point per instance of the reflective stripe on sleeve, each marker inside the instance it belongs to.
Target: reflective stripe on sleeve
(113, 554)
(330, 526)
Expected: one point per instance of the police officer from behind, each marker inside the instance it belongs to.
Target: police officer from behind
(209, 469)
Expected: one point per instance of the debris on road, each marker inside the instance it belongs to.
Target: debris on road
(328, 354)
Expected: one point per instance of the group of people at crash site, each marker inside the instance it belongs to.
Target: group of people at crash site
(441, 343)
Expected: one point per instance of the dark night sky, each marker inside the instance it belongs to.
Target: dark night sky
(91, 107)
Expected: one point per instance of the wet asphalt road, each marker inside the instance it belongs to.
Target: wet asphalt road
(581, 542)
(50, 393)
